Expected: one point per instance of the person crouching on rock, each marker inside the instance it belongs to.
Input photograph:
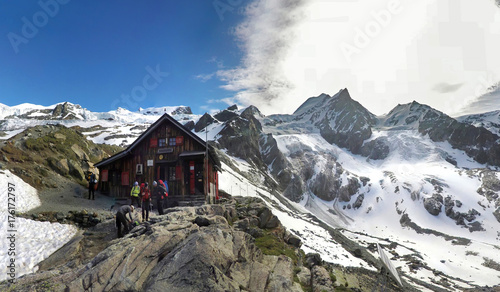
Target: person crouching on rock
(159, 192)
(121, 219)
(134, 194)
(146, 201)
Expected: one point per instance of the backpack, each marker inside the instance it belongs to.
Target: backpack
(147, 195)
(92, 178)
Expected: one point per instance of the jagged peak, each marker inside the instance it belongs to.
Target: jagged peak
(252, 110)
(343, 93)
(340, 101)
(410, 114)
(413, 106)
(311, 102)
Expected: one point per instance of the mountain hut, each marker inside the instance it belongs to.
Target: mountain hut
(166, 151)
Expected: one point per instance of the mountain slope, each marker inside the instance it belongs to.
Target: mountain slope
(414, 179)
(488, 120)
(477, 142)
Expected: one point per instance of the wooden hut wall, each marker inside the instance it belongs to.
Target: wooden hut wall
(152, 149)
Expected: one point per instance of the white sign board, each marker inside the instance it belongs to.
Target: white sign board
(150, 163)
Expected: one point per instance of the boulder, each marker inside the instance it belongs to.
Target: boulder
(293, 240)
(75, 170)
(433, 204)
(313, 259)
(60, 166)
(497, 214)
(80, 153)
(359, 201)
(349, 190)
(320, 279)
(304, 276)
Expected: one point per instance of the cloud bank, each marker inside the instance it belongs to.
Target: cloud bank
(385, 51)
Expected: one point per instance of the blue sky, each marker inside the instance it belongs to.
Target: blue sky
(274, 54)
(94, 53)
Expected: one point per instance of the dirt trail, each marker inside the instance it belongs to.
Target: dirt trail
(70, 196)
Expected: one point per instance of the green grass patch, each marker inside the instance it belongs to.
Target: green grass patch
(270, 244)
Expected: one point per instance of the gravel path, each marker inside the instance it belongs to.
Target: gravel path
(70, 196)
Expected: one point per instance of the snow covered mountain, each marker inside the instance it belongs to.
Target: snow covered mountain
(415, 176)
(119, 127)
(421, 184)
(489, 120)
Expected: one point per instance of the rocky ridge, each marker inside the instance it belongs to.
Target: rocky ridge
(237, 246)
(42, 154)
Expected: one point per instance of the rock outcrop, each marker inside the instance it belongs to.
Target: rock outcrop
(237, 246)
(40, 153)
(340, 119)
(207, 248)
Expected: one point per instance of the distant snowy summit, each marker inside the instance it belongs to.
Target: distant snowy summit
(70, 111)
(67, 110)
(112, 127)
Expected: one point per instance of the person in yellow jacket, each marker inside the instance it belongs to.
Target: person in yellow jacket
(134, 194)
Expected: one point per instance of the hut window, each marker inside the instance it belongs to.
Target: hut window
(162, 142)
(172, 141)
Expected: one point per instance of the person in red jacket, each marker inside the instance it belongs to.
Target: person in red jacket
(160, 192)
(146, 201)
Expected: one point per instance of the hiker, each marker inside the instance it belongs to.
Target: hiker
(165, 185)
(92, 182)
(121, 219)
(134, 194)
(160, 192)
(146, 201)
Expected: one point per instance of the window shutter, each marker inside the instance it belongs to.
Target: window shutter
(178, 172)
(125, 178)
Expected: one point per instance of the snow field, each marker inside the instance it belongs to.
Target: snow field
(32, 241)
(314, 238)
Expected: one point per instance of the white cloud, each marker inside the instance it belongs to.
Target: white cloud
(385, 51)
(204, 77)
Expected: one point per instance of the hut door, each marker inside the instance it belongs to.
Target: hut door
(198, 168)
(191, 178)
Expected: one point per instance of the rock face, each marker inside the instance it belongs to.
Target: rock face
(204, 121)
(477, 142)
(433, 204)
(188, 249)
(341, 120)
(241, 135)
(182, 110)
(41, 152)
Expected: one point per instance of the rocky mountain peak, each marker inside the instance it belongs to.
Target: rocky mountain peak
(182, 110)
(67, 111)
(409, 115)
(251, 111)
(343, 94)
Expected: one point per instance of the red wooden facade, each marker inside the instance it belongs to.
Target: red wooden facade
(165, 151)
